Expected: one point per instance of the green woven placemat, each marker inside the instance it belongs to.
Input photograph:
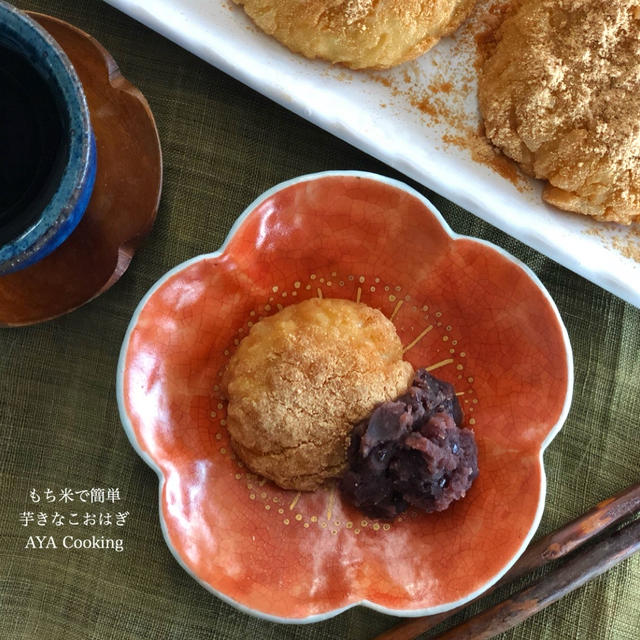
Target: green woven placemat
(59, 428)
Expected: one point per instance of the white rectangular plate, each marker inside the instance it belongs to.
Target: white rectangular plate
(420, 118)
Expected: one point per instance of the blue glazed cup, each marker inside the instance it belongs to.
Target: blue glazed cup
(66, 192)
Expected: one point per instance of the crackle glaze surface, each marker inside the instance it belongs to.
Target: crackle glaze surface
(460, 306)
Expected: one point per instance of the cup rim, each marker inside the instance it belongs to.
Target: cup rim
(33, 242)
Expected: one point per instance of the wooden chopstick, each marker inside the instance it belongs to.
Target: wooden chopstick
(550, 547)
(579, 569)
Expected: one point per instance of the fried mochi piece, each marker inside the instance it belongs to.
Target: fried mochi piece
(358, 33)
(560, 94)
(299, 382)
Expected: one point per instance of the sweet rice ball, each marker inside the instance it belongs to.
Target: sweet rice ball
(358, 33)
(299, 382)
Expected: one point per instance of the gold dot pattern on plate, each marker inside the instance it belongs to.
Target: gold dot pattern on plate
(425, 323)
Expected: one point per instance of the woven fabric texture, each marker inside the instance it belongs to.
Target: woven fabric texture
(223, 145)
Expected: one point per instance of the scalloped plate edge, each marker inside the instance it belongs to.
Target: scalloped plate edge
(128, 427)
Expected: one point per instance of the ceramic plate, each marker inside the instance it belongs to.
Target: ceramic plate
(464, 308)
(420, 118)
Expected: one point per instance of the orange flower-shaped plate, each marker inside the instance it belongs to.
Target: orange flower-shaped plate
(462, 307)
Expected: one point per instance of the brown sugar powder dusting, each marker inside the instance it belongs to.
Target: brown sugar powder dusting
(425, 105)
(477, 36)
(629, 247)
(626, 241)
(487, 26)
(442, 87)
(576, 92)
(443, 98)
(484, 152)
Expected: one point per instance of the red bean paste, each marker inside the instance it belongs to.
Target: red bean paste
(411, 451)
